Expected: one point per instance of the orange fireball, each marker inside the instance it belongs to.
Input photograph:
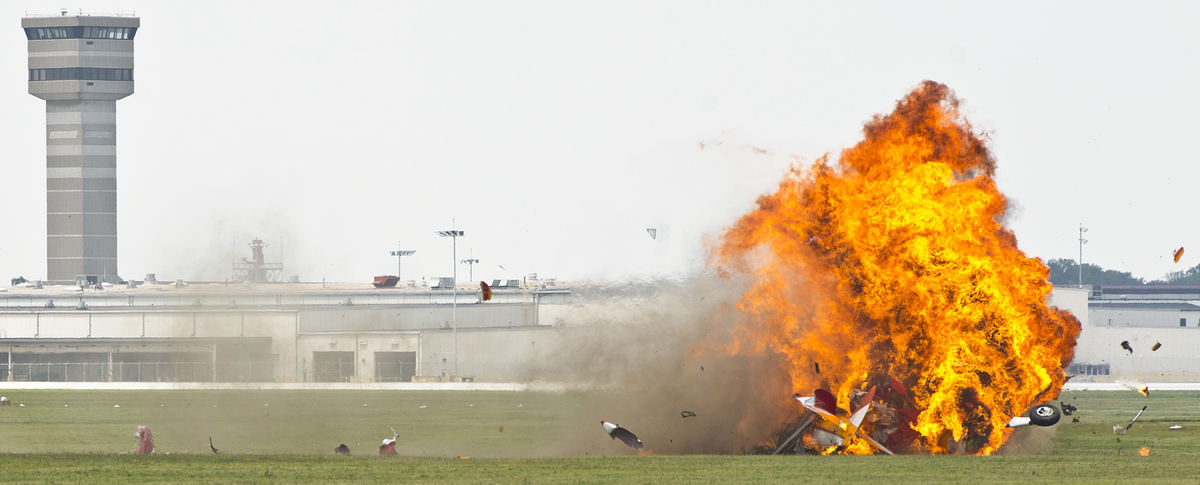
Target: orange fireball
(1178, 254)
(892, 261)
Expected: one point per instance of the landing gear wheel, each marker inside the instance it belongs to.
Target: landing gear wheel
(1044, 415)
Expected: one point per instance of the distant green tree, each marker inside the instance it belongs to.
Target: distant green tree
(1065, 272)
(1190, 276)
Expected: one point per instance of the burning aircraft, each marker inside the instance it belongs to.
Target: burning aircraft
(890, 263)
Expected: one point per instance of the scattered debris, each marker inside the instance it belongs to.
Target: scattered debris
(1075, 419)
(1156, 346)
(388, 447)
(213, 448)
(342, 449)
(463, 457)
(1175, 427)
(423, 406)
(1178, 254)
(1144, 390)
(654, 232)
(502, 428)
(701, 368)
(616, 432)
(520, 405)
(1067, 409)
(265, 405)
(4, 401)
(817, 367)
(1145, 450)
(364, 405)
(145, 440)
(1119, 429)
(470, 404)
(116, 405)
(1125, 345)
(21, 405)
(66, 406)
(687, 414)
(487, 291)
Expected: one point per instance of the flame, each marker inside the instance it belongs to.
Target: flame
(892, 261)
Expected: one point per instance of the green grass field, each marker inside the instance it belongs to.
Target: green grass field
(288, 437)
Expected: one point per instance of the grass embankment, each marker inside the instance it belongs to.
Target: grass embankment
(306, 425)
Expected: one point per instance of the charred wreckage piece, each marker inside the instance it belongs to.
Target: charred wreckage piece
(616, 432)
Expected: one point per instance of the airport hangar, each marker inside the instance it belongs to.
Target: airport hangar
(283, 332)
(311, 332)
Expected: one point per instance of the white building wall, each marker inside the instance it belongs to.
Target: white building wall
(1074, 300)
(1177, 360)
(1133, 317)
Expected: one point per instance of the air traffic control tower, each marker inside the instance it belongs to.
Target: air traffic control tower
(81, 65)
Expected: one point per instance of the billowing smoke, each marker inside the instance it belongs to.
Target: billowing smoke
(646, 353)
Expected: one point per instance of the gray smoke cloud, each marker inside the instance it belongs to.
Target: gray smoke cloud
(648, 351)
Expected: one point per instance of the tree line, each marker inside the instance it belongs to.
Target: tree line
(1065, 272)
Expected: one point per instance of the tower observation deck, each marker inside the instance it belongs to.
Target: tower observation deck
(81, 65)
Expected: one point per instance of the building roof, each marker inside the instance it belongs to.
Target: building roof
(1183, 307)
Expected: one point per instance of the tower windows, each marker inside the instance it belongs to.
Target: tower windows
(80, 73)
(80, 32)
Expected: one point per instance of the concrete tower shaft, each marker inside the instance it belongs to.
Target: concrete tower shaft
(81, 65)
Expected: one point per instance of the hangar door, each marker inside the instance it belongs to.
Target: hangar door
(333, 366)
(395, 366)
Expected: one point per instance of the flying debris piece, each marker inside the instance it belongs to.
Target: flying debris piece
(487, 291)
(423, 406)
(1156, 346)
(388, 447)
(470, 404)
(1075, 420)
(1138, 415)
(463, 457)
(1067, 409)
(1125, 345)
(1178, 253)
(1040, 415)
(652, 232)
(1175, 428)
(687, 414)
(21, 405)
(342, 449)
(116, 405)
(1144, 390)
(502, 428)
(616, 432)
(1145, 450)
(816, 367)
(66, 406)
(145, 440)
(213, 448)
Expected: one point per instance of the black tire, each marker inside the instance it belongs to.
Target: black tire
(1044, 415)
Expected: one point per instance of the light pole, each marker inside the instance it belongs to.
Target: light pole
(454, 234)
(1082, 241)
(470, 262)
(400, 254)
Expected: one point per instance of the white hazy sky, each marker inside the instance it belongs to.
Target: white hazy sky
(555, 132)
